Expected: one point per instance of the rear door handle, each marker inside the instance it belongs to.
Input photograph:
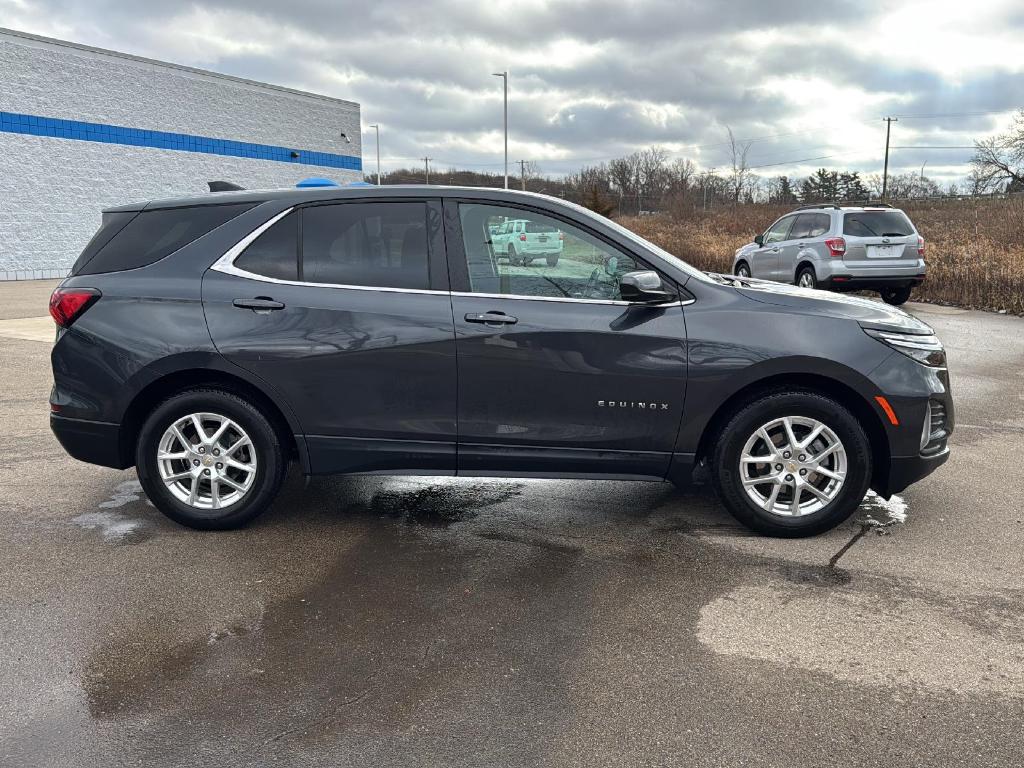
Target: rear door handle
(259, 304)
(497, 318)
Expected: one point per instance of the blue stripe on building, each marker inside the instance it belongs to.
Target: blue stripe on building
(34, 125)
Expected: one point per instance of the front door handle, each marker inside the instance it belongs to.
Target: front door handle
(496, 318)
(259, 304)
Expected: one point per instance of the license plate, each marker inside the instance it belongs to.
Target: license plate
(542, 239)
(885, 251)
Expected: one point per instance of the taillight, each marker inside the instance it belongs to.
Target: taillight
(66, 304)
(920, 246)
(836, 246)
(523, 238)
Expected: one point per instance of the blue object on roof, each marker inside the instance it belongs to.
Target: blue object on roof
(360, 184)
(317, 181)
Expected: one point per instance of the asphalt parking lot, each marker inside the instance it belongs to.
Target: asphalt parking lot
(403, 621)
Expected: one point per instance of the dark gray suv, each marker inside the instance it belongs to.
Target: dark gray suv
(211, 340)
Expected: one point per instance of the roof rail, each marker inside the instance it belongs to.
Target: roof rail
(818, 205)
(872, 204)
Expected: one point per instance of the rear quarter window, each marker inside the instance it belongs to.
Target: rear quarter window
(275, 253)
(877, 224)
(151, 235)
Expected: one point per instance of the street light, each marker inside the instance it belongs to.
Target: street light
(504, 81)
(377, 129)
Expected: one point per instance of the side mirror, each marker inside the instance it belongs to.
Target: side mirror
(759, 239)
(643, 286)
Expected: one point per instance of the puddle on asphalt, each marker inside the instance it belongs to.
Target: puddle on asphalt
(815, 575)
(440, 505)
(117, 527)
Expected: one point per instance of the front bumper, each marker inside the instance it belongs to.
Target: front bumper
(907, 470)
(94, 442)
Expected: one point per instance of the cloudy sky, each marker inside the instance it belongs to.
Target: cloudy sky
(807, 80)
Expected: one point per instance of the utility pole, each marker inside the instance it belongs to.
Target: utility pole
(885, 171)
(377, 129)
(504, 80)
(522, 173)
(426, 169)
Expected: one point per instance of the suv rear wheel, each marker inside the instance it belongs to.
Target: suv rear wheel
(742, 270)
(513, 257)
(792, 464)
(209, 460)
(896, 296)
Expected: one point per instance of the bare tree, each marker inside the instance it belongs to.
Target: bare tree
(998, 161)
(681, 175)
(741, 175)
(652, 173)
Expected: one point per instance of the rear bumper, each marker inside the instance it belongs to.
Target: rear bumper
(848, 282)
(907, 470)
(95, 442)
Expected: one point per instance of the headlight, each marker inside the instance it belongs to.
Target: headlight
(925, 348)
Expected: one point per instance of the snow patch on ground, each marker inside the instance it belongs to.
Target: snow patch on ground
(116, 527)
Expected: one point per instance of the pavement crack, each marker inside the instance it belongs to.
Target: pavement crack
(846, 547)
(320, 721)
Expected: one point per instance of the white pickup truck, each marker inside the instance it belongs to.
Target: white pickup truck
(523, 241)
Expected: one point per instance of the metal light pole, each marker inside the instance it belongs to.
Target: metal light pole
(377, 129)
(504, 80)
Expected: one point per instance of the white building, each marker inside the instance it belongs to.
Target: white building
(82, 129)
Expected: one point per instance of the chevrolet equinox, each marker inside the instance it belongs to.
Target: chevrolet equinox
(211, 340)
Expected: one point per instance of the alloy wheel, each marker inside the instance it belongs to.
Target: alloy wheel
(806, 280)
(793, 466)
(207, 461)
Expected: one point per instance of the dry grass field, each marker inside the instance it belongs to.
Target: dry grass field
(974, 248)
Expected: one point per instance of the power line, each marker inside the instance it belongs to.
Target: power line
(938, 115)
(791, 162)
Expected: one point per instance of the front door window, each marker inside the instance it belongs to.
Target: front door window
(512, 252)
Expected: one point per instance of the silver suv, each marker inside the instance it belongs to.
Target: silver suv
(873, 248)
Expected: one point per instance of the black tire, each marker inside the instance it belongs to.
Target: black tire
(553, 260)
(742, 269)
(896, 296)
(268, 446)
(807, 275)
(527, 260)
(725, 463)
(513, 257)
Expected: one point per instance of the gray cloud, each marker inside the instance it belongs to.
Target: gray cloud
(590, 80)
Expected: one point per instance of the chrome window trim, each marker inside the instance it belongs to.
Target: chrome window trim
(226, 265)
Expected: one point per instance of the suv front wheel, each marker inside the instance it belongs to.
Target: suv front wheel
(792, 464)
(209, 460)
(807, 278)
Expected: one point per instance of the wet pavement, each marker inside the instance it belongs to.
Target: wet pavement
(426, 621)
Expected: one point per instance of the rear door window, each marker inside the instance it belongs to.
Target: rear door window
(378, 244)
(151, 235)
(810, 225)
(877, 224)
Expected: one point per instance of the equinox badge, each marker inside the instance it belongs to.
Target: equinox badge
(632, 404)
